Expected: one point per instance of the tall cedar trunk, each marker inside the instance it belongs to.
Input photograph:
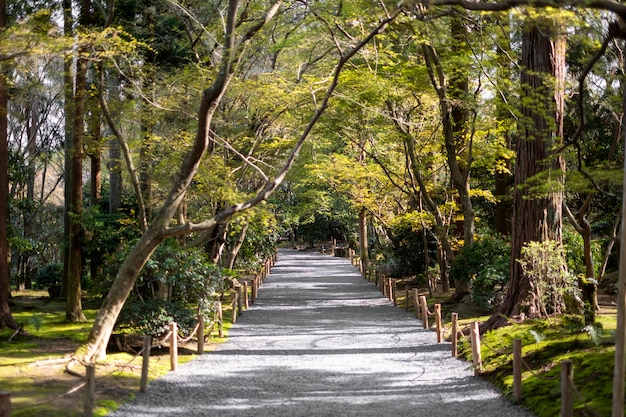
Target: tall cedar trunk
(74, 207)
(6, 318)
(73, 306)
(363, 244)
(458, 138)
(536, 218)
(68, 100)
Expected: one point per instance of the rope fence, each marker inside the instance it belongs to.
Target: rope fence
(471, 333)
(244, 295)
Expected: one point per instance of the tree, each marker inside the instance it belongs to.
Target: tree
(537, 210)
(6, 318)
(234, 44)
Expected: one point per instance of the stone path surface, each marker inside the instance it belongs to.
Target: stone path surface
(322, 341)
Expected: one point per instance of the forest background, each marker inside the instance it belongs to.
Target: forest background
(152, 151)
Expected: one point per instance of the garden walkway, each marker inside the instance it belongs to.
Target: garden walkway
(322, 341)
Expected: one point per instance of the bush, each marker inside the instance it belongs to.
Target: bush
(485, 264)
(153, 318)
(175, 285)
(48, 276)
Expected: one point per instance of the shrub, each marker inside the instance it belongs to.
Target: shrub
(49, 275)
(176, 284)
(485, 264)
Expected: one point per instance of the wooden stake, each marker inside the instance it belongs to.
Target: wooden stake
(145, 364)
(438, 323)
(240, 300)
(424, 311)
(200, 334)
(455, 335)
(406, 298)
(5, 404)
(416, 302)
(477, 359)
(246, 301)
(567, 378)
(90, 389)
(174, 346)
(517, 370)
(234, 307)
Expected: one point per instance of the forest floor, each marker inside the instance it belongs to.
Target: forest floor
(32, 365)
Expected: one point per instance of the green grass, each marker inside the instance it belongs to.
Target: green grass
(544, 346)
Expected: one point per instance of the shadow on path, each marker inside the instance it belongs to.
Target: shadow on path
(321, 341)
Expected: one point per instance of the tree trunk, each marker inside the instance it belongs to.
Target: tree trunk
(536, 217)
(74, 207)
(6, 318)
(234, 250)
(68, 95)
(363, 244)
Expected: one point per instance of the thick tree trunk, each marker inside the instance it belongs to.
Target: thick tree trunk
(536, 216)
(68, 95)
(6, 318)
(74, 207)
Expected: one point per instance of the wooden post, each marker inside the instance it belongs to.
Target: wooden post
(455, 335)
(253, 290)
(424, 311)
(517, 370)
(567, 378)
(200, 334)
(234, 307)
(220, 320)
(145, 364)
(90, 389)
(438, 323)
(392, 292)
(246, 301)
(406, 297)
(174, 346)
(5, 404)
(477, 359)
(416, 302)
(239, 300)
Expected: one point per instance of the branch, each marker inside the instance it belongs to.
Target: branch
(132, 172)
(272, 185)
(505, 5)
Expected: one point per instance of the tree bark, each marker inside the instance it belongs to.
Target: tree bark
(6, 318)
(74, 207)
(363, 244)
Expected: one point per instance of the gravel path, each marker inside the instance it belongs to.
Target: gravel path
(321, 341)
